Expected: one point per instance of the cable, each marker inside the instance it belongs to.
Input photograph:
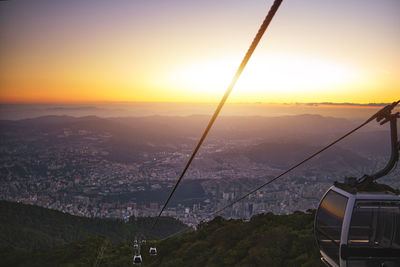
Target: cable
(239, 71)
(376, 115)
(185, 230)
(100, 253)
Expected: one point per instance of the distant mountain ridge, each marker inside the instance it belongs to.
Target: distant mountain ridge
(163, 129)
(130, 137)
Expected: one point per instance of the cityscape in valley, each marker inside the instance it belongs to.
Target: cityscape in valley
(122, 167)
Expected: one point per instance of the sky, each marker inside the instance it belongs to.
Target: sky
(188, 51)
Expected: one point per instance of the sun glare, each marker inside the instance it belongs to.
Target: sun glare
(206, 77)
(264, 75)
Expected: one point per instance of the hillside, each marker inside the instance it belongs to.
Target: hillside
(265, 240)
(32, 227)
(285, 155)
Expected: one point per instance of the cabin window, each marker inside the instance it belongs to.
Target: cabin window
(375, 224)
(329, 223)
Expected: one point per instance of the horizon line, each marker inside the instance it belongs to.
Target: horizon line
(369, 104)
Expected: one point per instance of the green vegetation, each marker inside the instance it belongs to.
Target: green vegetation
(32, 227)
(265, 240)
(82, 253)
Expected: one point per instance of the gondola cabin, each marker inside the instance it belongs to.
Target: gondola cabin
(153, 252)
(137, 259)
(358, 228)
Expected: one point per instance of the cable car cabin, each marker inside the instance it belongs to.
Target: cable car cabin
(358, 228)
(137, 259)
(153, 251)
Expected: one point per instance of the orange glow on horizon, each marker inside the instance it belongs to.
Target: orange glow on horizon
(189, 52)
(267, 79)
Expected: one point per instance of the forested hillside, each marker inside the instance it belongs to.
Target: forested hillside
(265, 240)
(32, 227)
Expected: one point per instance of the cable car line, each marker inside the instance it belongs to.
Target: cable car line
(177, 233)
(366, 230)
(100, 253)
(375, 116)
(239, 71)
(344, 198)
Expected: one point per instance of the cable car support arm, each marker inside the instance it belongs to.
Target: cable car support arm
(384, 116)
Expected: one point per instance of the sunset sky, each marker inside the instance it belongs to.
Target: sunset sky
(188, 51)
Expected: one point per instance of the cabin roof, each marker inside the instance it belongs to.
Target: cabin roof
(369, 187)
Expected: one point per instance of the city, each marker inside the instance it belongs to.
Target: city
(72, 170)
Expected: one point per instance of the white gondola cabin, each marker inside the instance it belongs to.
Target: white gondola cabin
(153, 251)
(358, 228)
(358, 222)
(137, 259)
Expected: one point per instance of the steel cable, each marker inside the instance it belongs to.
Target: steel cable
(239, 71)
